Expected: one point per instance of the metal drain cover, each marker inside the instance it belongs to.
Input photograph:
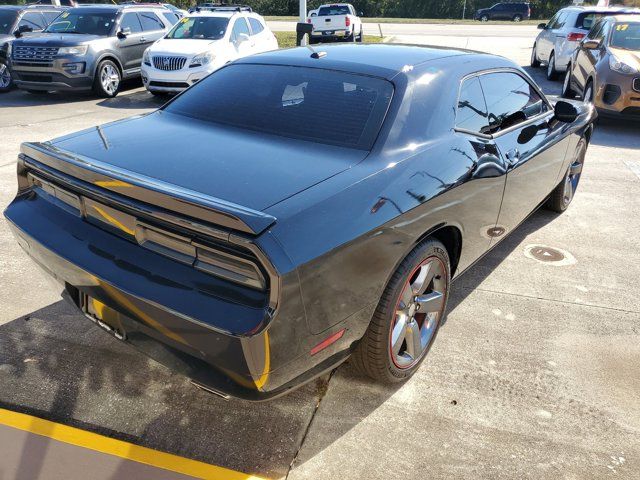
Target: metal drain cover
(549, 255)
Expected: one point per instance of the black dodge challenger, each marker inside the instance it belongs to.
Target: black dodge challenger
(296, 208)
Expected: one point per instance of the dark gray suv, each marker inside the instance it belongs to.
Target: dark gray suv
(89, 47)
(515, 11)
(16, 20)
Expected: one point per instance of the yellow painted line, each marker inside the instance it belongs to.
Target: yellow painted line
(112, 183)
(118, 448)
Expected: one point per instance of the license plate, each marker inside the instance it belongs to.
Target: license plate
(328, 33)
(103, 316)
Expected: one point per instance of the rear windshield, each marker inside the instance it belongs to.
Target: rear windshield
(7, 19)
(336, 10)
(626, 35)
(96, 23)
(310, 104)
(204, 28)
(587, 20)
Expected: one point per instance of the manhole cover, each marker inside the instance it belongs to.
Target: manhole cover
(550, 255)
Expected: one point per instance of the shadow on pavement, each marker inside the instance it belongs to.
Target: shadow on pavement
(57, 365)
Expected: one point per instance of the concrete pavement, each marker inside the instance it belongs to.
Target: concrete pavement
(536, 373)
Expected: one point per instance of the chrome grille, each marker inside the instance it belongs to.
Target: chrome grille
(169, 63)
(636, 84)
(34, 54)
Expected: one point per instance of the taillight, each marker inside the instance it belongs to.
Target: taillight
(575, 37)
(308, 20)
(347, 21)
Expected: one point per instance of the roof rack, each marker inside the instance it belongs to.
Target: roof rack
(37, 5)
(222, 7)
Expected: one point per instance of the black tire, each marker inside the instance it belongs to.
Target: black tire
(567, 91)
(360, 37)
(517, 18)
(535, 63)
(484, 18)
(107, 88)
(552, 73)
(6, 79)
(563, 194)
(374, 356)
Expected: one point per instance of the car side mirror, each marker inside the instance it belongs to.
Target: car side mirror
(243, 37)
(565, 112)
(542, 26)
(22, 29)
(124, 32)
(591, 44)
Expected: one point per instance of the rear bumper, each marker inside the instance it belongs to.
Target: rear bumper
(221, 335)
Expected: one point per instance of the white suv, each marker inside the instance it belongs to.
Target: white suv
(200, 43)
(560, 37)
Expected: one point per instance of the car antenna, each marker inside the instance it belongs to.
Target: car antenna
(316, 54)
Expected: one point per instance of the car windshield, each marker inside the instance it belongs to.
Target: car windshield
(333, 10)
(206, 28)
(96, 23)
(312, 104)
(7, 19)
(626, 36)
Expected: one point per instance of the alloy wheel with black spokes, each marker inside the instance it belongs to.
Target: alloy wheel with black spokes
(563, 194)
(408, 316)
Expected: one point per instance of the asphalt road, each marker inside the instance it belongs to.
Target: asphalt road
(536, 373)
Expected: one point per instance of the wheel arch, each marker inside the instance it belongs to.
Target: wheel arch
(113, 58)
(451, 237)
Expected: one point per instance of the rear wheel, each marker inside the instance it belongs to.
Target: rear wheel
(535, 63)
(563, 194)
(6, 81)
(567, 91)
(361, 36)
(408, 316)
(107, 80)
(552, 73)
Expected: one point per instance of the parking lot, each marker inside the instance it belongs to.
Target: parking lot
(536, 373)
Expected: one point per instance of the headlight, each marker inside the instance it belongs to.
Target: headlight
(202, 59)
(620, 67)
(146, 57)
(79, 50)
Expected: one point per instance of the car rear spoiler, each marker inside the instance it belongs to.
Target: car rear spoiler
(149, 190)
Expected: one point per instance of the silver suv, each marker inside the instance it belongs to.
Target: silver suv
(89, 47)
(558, 39)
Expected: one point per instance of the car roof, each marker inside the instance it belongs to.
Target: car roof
(116, 8)
(380, 60)
(35, 8)
(626, 18)
(213, 13)
(596, 9)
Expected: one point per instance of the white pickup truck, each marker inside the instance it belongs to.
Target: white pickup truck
(335, 22)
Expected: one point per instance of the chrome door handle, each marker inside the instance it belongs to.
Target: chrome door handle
(142, 39)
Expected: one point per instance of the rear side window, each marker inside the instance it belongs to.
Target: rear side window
(472, 108)
(510, 100)
(586, 21)
(150, 22)
(310, 104)
(256, 25)
(239, 27)
(131, 21)
(171, 17)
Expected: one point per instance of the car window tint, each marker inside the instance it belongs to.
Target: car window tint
(510, 100)
(333, 10)
(79, 21)
(239, 27)
(561, 20)
(210, 28)
(256, 25)
(626, 35)
(472, 108)
(131, 21)
(171, 17)
(552, 22)
(150, 22)
(595, 31)
(294, 102)
(32, 19)
(50, 16)
(66, 3)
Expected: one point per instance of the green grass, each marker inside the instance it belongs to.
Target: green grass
(421, 20)
(288, 39)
